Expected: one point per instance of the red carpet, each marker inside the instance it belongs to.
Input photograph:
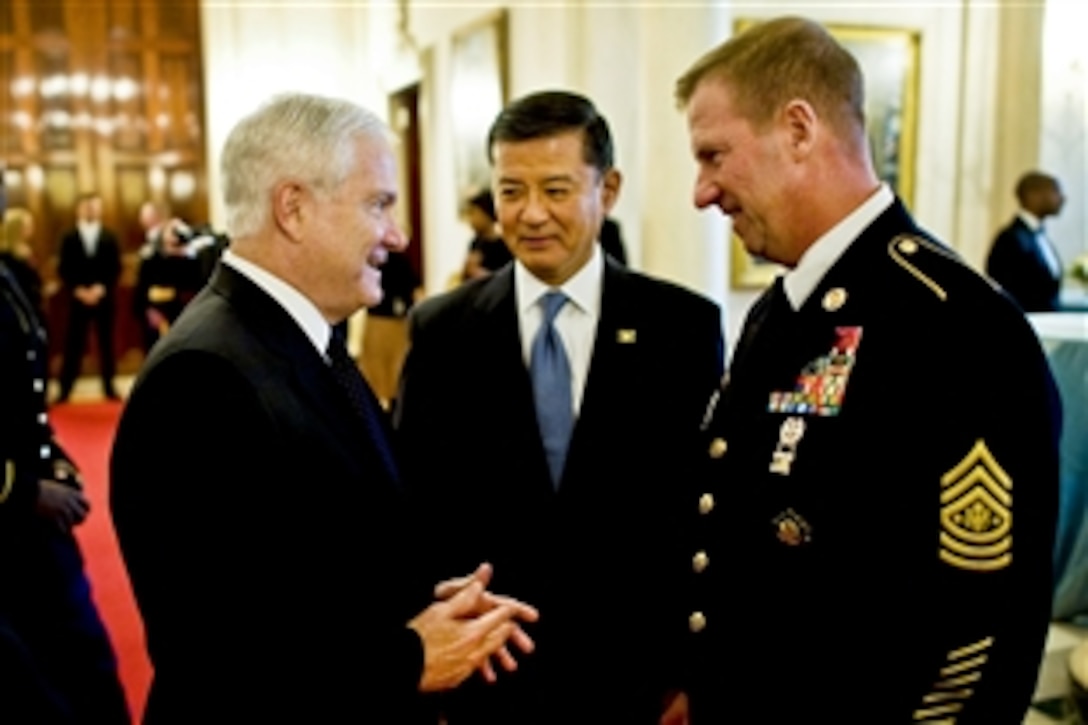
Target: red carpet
(86, 431)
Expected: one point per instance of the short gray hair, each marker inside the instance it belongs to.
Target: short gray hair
(292, 136)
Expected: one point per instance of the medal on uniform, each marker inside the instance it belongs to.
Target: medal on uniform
(789, 435)
(820, 387)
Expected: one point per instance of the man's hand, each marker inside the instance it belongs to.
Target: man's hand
(156, 320)
(488, 601)
(460, 633)
(676, 713)
(64, 505)
(449, 587)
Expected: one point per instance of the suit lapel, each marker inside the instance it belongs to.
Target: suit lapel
(616, 344)
(299, 361)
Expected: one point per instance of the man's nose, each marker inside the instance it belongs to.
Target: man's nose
(395, 239)
(706, 193)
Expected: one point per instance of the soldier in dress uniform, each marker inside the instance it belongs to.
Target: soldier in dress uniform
(169, 276)
(56, 662)
(877, 512)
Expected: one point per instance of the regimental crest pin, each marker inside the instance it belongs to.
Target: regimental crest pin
(976, 513)
(791, 528)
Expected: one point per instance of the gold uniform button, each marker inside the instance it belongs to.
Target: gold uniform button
(699, 562)
(718, 447)
(834, 299)
(706, 503)
(696, 622)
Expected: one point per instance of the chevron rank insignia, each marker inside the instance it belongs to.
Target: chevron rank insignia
(976, 513)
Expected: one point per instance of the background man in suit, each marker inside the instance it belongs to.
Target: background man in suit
(56, 662)
(593, 483)
(885, 451)
(1023, 260)
(269, 553)
(90, 263)
(612, 240)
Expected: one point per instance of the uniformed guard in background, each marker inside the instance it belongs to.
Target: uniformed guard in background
(878, 506)
(56, 662)
(170, 274)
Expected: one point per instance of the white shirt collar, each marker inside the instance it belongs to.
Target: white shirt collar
(298, 306)
(88, 230)
(583, 288)
(1034, 223)
(800, 281)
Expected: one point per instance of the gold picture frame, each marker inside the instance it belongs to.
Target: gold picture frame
(889, 59)
(478, 92)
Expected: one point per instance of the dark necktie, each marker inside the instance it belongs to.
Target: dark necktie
(361, 398)
(550, 372)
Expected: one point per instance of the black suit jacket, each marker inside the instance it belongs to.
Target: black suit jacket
(883, 520)
(75, 268)
(1016, 263)
(260, 531)
(598, 557)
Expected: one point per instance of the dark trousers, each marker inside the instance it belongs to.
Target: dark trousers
(80, 317)
(51, 634)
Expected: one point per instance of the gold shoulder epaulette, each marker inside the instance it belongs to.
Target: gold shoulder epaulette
(907, 245)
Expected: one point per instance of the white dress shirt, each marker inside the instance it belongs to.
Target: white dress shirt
(298, 306)
(576, 322)
(1035, 224)
(88, 232)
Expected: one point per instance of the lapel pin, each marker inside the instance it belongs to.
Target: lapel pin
(625, 337)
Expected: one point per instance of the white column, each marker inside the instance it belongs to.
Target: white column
(678, 242)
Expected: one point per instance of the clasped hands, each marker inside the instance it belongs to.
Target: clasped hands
(90, 295)
(466, 627)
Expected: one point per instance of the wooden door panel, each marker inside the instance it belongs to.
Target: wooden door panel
(104, 96)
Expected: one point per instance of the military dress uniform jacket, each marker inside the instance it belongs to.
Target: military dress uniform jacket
(28, 450)
(166, 283)
(878, 507)
(595, 555)
(260, 527)
(56, 661)
(1017, 264)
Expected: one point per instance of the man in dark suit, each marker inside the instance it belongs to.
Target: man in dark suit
(56, 662)
(257, 505)
(90, 263)
(1023, 260)
(612, 240)
(881, 470)
(591, 468)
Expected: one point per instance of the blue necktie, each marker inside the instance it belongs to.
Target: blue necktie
(550, 372)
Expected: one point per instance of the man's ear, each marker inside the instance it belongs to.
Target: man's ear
(610, 188)
(288, 209)
(801, 126)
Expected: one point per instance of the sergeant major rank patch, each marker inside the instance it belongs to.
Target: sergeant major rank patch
(976, 513)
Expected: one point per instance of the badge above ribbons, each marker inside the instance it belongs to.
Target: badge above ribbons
(821, 386)
(976, 513)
